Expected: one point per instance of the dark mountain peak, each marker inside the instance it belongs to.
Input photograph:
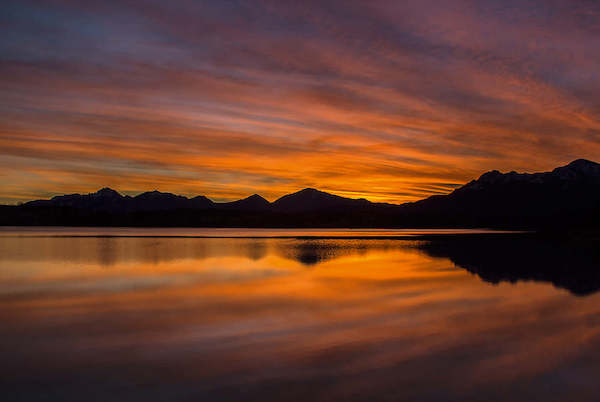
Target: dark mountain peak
(568, 195)
(200, 201)
(106, 192)
(201, 198)
(490, 176)
(307, 194)
(155, 195)
(310, 199)
(159, 201)
(583, 163)
(66, 196)
(256, 198)
(103, 199)
(578, 168)
(253, 203)
(310, 192)
(574, 172)
(152, 193)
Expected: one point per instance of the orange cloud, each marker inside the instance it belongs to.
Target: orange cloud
(391, 102)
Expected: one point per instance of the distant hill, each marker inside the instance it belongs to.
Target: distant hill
(253, 203)
(310, 199)
(568, 196)
(109, 200)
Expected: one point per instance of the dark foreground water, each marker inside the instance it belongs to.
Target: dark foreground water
(87, 316)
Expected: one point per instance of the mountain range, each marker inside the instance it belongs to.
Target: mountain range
(567, 196)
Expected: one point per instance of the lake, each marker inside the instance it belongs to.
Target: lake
(101, 314)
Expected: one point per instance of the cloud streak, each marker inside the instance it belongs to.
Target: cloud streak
(391, 101)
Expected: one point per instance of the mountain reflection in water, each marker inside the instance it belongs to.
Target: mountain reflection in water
(571, 265)
(568, 264)
(148, 319)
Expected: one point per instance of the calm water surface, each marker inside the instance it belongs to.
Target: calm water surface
(156, 317)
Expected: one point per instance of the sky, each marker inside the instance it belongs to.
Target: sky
(388, 100)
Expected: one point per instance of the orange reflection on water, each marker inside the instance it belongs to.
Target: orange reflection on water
(312, 319)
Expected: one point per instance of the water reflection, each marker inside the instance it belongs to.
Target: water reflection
(569, 264)
(109, 251)
(270, 319)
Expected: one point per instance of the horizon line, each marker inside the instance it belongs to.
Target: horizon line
(433, 193)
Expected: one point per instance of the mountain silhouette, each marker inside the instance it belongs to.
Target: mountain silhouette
(103, 199)
(253, 203)
(158, 201)
(568, 196)
(200, 202)
(565, 195)
(310, 199)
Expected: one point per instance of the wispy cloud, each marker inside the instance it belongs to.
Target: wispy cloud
(391, 101)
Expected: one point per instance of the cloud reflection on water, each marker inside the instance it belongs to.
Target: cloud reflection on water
(248, 319)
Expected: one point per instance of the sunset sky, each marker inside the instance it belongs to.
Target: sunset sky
(388, 100)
